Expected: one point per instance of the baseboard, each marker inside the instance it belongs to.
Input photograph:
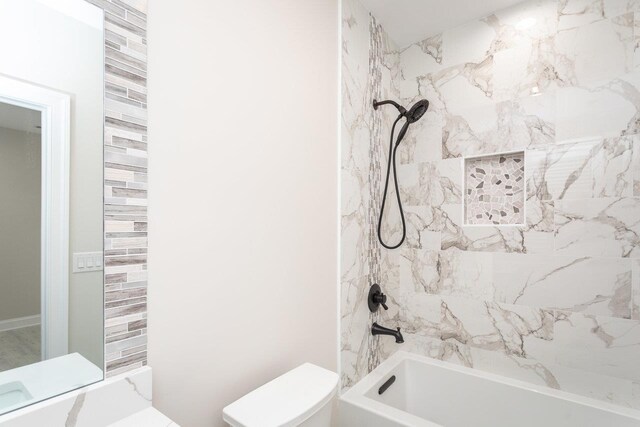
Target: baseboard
(19, 322)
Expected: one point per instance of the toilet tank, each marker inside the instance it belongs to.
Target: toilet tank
(304, 396)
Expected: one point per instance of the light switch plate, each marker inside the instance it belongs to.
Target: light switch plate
(87, 261)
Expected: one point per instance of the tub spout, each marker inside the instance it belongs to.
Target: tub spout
(381, 330)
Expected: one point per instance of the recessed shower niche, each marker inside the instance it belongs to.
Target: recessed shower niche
(495, 189)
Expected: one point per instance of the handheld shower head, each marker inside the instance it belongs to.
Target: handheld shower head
(414, 114)
(417, 111)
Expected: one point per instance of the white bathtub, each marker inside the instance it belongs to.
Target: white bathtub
(428, 392)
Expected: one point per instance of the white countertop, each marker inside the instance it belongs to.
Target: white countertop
(149, 417)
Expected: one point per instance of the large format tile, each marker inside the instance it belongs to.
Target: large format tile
(431, 183)
(576, 13)
(599, 286)
(596, 51)
(508, 329)
(423, 227)
(635, 168)
(519, 239)
(635, 289)
(590, 169)
(423, 142)
(608, 227)
(498, 127)
(421, 58)
(523, 51)
(447, 273)
(602, 109)
(602, 345)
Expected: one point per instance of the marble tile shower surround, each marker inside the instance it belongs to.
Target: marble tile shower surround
(125, 191)
(555, 301)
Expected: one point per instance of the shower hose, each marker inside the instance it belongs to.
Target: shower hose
(392, 162)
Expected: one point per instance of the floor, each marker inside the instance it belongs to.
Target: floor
(19, 347)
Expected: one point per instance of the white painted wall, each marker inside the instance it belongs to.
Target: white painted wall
(243, 197)
(20, 224)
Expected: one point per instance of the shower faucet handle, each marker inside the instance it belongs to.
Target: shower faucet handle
(381, 299)
(376, 298)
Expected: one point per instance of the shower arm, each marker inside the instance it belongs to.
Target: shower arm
(399, 107)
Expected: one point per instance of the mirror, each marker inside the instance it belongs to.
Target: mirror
(51, 192)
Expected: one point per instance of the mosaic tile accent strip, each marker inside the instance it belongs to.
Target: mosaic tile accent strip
(494, 190)
(376, 51)
(125, 190)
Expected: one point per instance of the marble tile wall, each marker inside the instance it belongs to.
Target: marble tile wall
(554, 301)
(125, 191)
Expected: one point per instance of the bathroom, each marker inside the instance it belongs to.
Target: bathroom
(408, 212)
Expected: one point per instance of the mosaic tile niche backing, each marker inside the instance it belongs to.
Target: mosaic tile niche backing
(494, 193)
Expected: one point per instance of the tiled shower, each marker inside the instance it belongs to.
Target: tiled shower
(521, 188)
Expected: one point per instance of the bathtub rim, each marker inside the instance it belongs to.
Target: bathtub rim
(357, 394)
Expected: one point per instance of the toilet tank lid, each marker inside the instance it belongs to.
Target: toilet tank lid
(285, 401)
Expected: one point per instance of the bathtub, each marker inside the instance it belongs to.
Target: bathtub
(429, 392)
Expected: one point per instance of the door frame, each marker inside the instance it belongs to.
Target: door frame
(55, 109)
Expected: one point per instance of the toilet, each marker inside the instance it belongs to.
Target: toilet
(304, 396)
